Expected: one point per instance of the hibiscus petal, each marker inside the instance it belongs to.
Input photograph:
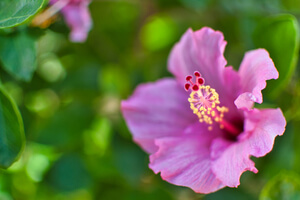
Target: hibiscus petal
(185, 161)
(262, 127)
(231, 159)
(157, 110)
(78, 18)
(199, 51)
(230, 92)
(255, 69)
(232, 82)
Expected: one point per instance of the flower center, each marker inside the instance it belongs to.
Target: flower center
(204, 101)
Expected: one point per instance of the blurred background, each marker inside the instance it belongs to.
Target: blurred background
(77, 143)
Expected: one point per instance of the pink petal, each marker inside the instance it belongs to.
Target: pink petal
(185, 161)
(232, 83)
(199, 51)
(262, 127)
(78, 18)
(255, 69)
(245, 100)
(157, 110)
(232, 158)
(230, 91)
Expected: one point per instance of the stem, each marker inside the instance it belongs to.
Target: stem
(49, 12)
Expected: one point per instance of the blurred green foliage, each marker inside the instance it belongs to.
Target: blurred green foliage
(78, 145)
(18, 54)
(285, 185)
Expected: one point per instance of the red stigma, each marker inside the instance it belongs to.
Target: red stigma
(188, 78)
(197, 74)
(200, 81)
(195, 88)
(187, 86)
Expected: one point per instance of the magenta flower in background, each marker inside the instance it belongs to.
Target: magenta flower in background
(77, 16)
(200, 127)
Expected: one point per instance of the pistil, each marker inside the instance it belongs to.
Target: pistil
(204, 101)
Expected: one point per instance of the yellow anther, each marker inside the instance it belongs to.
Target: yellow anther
(213, 113)
(205, 104)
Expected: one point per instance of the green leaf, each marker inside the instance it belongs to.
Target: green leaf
(15, 12)
(285, 185)
(279, 35)
(12, 138)
(18, 55)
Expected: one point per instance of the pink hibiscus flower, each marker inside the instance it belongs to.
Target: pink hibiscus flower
(77, 16)
(203, 138)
